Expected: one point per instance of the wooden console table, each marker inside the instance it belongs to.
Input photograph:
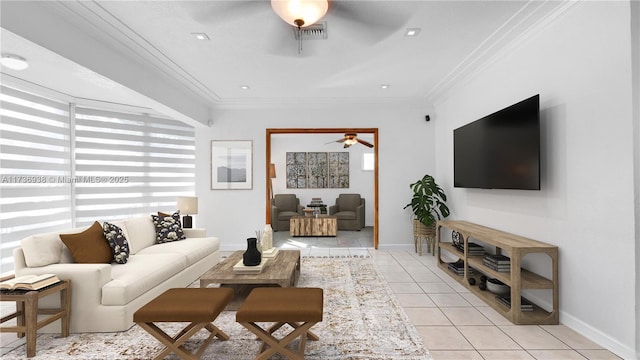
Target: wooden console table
(323, 225)
(27, 312)
(518, 278)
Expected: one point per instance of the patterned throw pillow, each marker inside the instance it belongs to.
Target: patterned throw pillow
(168, 228)
(117, 241)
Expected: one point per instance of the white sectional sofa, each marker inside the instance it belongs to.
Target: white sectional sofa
(105, 296)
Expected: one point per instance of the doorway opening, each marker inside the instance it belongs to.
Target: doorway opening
(373, 131)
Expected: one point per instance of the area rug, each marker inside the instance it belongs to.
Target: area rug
(362, 320)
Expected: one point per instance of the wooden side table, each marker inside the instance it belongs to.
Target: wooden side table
(27, 312)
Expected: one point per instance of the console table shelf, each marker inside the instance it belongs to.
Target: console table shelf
(517, 278)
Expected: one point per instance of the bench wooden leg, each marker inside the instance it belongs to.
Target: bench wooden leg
(174, 344)
(272, 345)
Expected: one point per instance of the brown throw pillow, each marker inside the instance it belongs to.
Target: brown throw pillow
(89, 246)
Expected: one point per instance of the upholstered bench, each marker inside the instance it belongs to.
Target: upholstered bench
(301, 308)
(197, 306)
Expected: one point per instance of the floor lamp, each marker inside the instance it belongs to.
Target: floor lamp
(272, 175)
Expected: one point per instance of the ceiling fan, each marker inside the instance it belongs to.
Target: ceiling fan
(350, 139)
(360, 22)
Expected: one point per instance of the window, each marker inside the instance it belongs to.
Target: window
(114, 165)
(368, 162)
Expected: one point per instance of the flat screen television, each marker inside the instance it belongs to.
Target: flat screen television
(501, 150)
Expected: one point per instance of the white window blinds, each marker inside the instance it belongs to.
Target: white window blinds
(130, 164)
(34, 154)
(64, 166)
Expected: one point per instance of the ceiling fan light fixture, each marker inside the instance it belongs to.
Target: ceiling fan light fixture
(300, 13)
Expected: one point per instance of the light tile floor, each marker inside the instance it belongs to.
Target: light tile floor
(454, 323)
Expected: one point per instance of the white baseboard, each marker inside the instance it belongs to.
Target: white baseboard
(598, 337)
(396, 247)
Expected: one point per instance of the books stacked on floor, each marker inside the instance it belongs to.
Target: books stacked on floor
(525, 305)
(472, 248)
(498, 263)
(458, 268)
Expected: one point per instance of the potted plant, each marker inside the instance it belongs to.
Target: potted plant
(428, 206)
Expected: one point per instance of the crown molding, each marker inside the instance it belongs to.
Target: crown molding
(532, 18)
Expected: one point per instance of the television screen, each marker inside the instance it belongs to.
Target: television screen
(501, 150)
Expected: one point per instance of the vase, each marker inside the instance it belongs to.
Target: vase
(252, 257)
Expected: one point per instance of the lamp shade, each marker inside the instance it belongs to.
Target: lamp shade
(272, 171)
(188, 205)
(309, 11)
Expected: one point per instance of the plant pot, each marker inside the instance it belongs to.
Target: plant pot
(428, 233)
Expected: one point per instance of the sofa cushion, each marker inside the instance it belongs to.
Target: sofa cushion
(42, 249)
(193, 249)
(140, 233)
(139, 275)
(346, 215)
(117, 242)
(168, 228)
(88, 246)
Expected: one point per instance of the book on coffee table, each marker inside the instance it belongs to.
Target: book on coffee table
(240, 268)
(270, 253)
(29, 282)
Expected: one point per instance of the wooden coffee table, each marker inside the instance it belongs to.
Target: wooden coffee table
(283, 270)
(323, 225)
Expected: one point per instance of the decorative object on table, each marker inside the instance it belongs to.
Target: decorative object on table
(498, 287)
(267, 242)
(456, 239)
(252, 257)
(187, 205)
(428, 206)
(231, 165)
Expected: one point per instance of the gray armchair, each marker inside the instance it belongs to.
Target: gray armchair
(349, 209)
(283, 207)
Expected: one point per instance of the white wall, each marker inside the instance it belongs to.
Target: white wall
(360, 182)
(580, 66)
(405, 144)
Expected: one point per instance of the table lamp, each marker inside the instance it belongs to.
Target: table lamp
(187, 205)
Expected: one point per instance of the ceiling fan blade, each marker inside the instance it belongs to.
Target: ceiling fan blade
(370, 21)
(364, 143)
(346, 145)
(341, 140)
(220, 12)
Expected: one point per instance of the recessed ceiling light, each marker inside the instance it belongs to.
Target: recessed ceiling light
(411, 32)
(384, 86)
(200, 36)
(14, 62)
(244, 87)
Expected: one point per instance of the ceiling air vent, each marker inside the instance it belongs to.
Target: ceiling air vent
(316, 31)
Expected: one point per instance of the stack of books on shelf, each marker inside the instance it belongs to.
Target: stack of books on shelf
(458, 268)
(473, 249)
(498, 263)
(316, 202)
(525, 305)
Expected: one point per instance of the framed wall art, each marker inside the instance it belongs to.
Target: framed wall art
(231, 164)
(317, 170)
